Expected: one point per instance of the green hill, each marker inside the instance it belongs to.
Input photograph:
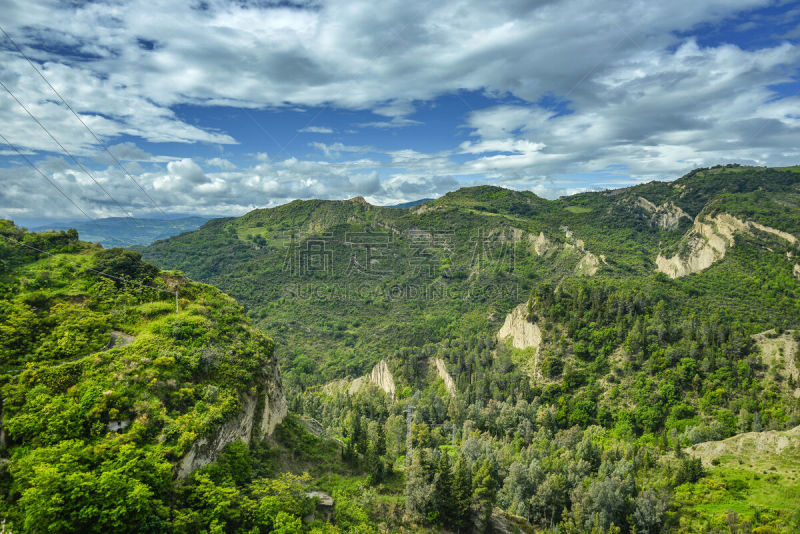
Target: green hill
(366, 279)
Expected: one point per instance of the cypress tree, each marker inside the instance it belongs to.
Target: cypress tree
(445, 500)
(462, 494)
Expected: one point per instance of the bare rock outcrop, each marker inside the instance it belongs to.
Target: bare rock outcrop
(275, 409)
(786, 236)
(707, 243)
(541, 245)
(380, 375)
(441, 370)
(522, 332)
(205, 450)
(588, 265)
(503, 522)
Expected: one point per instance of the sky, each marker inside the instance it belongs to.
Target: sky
(219, 107)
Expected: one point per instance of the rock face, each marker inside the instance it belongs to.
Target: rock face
(250, 422)
(205, 450)
(541, 245)
(441, 370)
(786, 236)
(588, 265)
(380, 375)
(274, 408)
(707, 243)
(504, 523)
(523, 333)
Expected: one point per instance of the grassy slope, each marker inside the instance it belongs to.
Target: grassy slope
(178, 379)
(747, 474)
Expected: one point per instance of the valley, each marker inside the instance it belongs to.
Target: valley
(618, 361)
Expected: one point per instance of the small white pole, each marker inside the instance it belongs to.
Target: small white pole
(177, 309)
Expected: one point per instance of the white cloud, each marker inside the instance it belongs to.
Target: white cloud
(127, 151)
(396, 122)
(316, 129)
(221, 163)
(351, 54)
(519, 146)
(335, 149)
(620, 87)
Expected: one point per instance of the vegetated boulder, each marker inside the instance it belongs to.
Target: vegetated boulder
(324, 506)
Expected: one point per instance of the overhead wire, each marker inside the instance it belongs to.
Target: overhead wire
(57, 188)
(77, 116)
(68, 153)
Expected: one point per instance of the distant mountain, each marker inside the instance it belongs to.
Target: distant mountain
(410, 204)
(126, 232)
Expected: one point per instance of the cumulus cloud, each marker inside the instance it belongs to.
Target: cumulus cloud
(343, 53)
(574, 86)
(184, 175)
(335, 149)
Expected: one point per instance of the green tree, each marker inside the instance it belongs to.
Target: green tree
(420, 488)
(374, 465)
(484, 491)
(462, 493)
(445, 499)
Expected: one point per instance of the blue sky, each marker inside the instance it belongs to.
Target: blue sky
(229, 106)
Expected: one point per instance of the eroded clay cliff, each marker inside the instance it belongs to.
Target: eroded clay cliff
(523, 333)
(708, 241)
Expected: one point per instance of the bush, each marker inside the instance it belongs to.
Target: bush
(689, 470)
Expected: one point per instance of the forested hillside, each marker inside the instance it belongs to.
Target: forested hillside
(648, 324)
(120, 414)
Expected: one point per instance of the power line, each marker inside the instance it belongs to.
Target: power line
(99, 141)
(55, 185)
(78, 163)
(100, 273)
(410, 417)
